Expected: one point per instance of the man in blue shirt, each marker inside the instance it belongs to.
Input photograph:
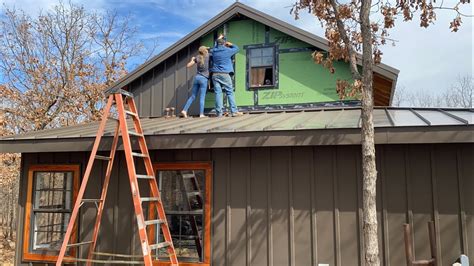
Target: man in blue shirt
(222, 68)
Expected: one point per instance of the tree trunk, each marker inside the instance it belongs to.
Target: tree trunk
(368, 144)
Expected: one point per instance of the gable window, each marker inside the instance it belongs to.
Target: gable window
(51, 192)
(262, 67)
(185, 191)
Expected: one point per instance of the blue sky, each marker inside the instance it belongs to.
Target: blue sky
(428, 59)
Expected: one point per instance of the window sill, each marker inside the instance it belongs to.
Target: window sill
(263, 87)
(31, 257)
(161, 263)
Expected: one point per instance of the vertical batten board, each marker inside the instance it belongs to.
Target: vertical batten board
(434, 201)
(291, 211)
(228, 210)
(220, 159)
(146, 94)
(280, 205)
(324, 205)
(181, 86)
(190, 73)
(380, 204)
(384, 187)
(248, 209)
(421, 193)
(202, 155)
(158, 90)
(259, 206)
(395, 202)
(169, 99)
(126, 223)
(314, 230)
(360, 212)
(467, 173)
(335, 197)
(104, 241)
(88, 212)
(238, 198)
(136, 89)
(408, 188)
(346, 173)
(269, 188)
(301, 176)
(447, 203)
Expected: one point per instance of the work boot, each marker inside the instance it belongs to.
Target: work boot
(237, 114)
(184, 114)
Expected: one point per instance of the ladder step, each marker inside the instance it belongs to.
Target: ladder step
(114, 119)
(91, 200)
(150, 222)
(79, 244)
(100, 157)
(135, 134)
(131, 113)
(160, 245)
(145, 177)
(194, 193)
(150, 199)
(136, 154)
(187, 175)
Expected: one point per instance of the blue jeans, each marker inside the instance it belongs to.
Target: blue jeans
(223, 82)
(199, 86)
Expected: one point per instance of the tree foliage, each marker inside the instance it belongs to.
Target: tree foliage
(54, 68)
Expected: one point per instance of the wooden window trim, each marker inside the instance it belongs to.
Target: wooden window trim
(27, 255)
(207, 167)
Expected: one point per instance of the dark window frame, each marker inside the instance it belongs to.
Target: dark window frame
(28, 233)
(207, 168)
(275, 67)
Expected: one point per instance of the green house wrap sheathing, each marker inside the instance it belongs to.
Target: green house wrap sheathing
(300, 79)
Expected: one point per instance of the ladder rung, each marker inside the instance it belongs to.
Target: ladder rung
(135, 134)
(150, 199)
(145, 177)
(100, 157)
(79, 244)
(91, 200)
(130, 113)
(194, 193)
(160, 245)
(187, 175)
(136, 154)
(150, 222)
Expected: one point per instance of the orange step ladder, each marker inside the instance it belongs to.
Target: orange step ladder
(120, 98)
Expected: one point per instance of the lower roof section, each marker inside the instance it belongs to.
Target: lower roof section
(295, 128)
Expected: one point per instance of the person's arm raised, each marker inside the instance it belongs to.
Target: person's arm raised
(192, 62)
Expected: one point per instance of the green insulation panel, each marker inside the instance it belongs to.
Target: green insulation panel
(300, 80)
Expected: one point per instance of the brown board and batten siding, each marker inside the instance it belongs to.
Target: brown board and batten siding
(302, 205)
(166, 85)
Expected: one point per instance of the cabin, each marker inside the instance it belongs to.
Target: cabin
(280, 185)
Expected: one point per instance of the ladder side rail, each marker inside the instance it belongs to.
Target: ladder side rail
(153, 184)
(103, 196)
(133, 182)
(194, 226)
(75, 211)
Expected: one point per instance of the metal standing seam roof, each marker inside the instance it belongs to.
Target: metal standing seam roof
(340, 118)
(333, 126)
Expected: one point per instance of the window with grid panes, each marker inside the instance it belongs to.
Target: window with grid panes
(183, 189)
(51, 197)
(262, 67)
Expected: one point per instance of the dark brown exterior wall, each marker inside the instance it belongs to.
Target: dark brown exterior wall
(302, 205)
(166, 85)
